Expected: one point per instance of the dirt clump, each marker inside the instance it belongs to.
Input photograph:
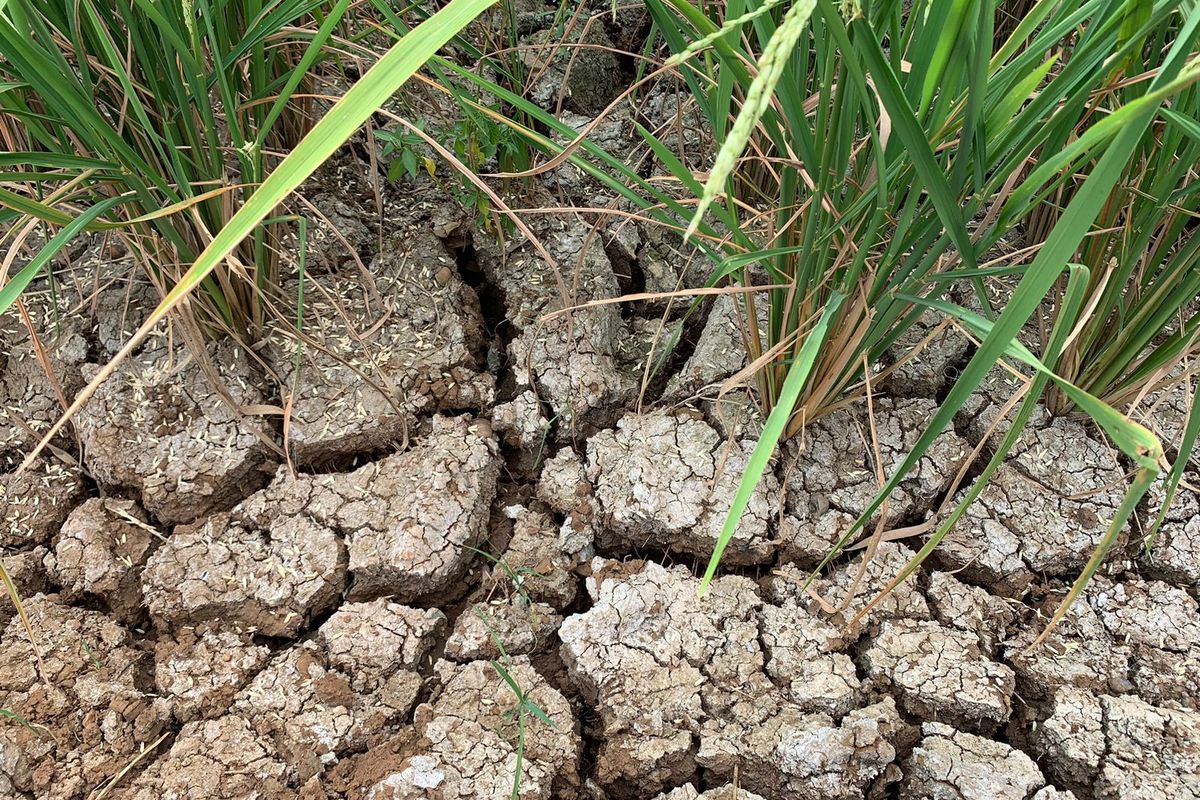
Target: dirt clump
(563, 484)
(931, 369)
(86, 715)
(385, 351)
(574, 361)
(521, 423)
(690, 792)
(200, 669)
(27, 571)
(267, 575)
(372, 640)
(225, 756)
(29, 397)
(679, 685)
(1119, 747)
(408, 520)
(802, 654)
(969, 608)
(1042, 513)
(830, 478)
(719, 353)
(99, 553)
(34, 502)
(465, 741)
(948, 764)
(159, 428)
(940, 673)
(540, 560)
(849, 588)
(520, 627)
(1175, 552)
(667, 481)
(1129, 636)
(784, 753)
(583, 75)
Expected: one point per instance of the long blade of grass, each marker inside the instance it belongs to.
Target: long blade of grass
(772, 432)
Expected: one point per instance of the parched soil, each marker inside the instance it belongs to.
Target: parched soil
(475, 555)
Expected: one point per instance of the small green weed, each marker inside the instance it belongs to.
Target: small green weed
(525, 705)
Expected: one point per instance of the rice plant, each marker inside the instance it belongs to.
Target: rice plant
(869, 153)
(342, 120)
(886, 138)
(159, 119)
(1137, 333)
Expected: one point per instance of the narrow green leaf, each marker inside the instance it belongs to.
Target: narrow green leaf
(772, 432)
(18, 283)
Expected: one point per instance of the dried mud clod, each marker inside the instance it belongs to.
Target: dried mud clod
(971, 609)
(1042, 513)
(26, 569)
(35, 502)
(850, 588)
(387, 350)
(690, 792)
(410, 519)
(679, 685)
(29, 397)
(465, 741)
(666, 481)
(949, 764)
(311, 706)
(158, 427)
(540, 560)
(830, 479)
(1119, 747)
(403, 526)
(802, 655)
(200, 669)
(574, 362)
(521, 423)
(1129, 636)
(583, 76)
(940, 673)
(1175, 552)
(99, 553)
(86, 716)
(719, 353)
(934, 367)
(520, 627)
(370, 641)
(268, 576)
(226, 756)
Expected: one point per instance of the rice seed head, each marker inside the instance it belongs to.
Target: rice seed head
(770, 68)
(729, 26)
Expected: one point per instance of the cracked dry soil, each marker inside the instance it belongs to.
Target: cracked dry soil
(475, 485)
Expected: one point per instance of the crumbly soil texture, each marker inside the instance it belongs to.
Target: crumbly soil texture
(468, 564)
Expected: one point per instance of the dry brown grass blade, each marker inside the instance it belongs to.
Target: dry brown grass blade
(15, 596)
(636, 296)
(150, 748)
(872, 544)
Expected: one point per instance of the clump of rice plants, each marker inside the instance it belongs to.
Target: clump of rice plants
(901, 144)
(157, 120)
(869, 154)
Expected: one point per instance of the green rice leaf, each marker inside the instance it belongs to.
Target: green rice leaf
(772, 432)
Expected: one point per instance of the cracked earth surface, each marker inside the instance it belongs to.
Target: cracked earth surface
(479, 556)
